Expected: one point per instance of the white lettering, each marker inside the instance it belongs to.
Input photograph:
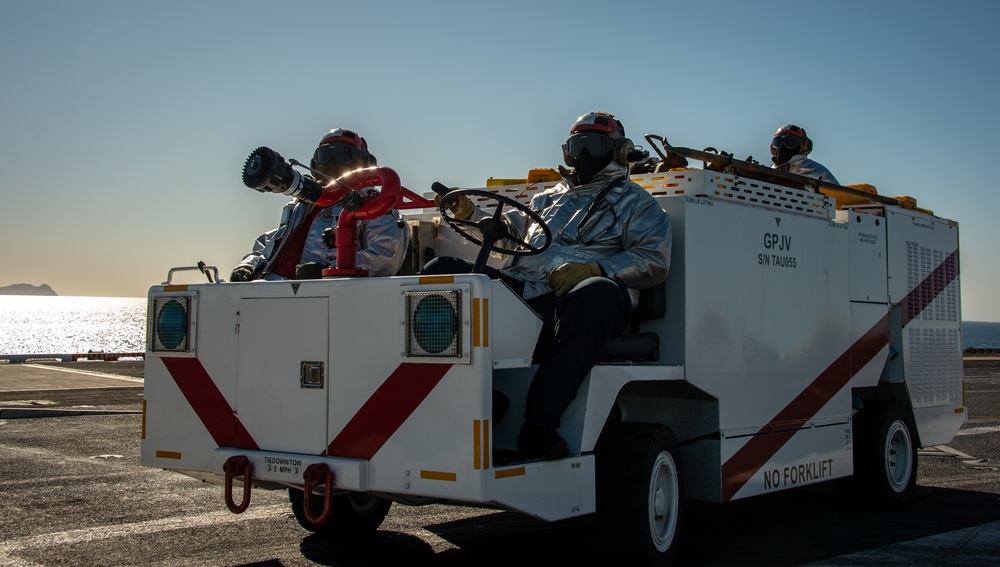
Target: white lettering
(282, 461)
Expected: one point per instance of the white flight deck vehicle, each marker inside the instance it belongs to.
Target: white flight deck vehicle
(800, 337)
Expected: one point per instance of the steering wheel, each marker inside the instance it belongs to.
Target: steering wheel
(494, 228)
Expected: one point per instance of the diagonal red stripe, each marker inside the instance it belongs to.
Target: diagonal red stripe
(391, 404)
(741, 467)
(208, 402)
(927, 291)
(738, 470)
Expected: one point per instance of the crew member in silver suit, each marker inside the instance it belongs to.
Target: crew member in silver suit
(383, 241)
(610, 239)
(789, 148)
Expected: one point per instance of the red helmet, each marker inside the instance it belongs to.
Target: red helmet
(598, 122)
(344, 148)
(344, 136)
(612, 141)
(791, 138)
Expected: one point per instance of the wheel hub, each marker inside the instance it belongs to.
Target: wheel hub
(659, 503)
(898, 456)
(664, 501)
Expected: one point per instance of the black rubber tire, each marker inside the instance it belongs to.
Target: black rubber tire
(353, 513)
(640, 509)
(885, 458)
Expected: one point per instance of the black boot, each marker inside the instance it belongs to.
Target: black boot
(542, 442)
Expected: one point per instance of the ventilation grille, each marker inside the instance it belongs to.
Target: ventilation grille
(935, 366)
(922, 262)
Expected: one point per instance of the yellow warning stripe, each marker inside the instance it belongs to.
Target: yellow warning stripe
(507, 473)
(486, 443)
(480, 322)
(475, 321)
(477, 447)
(436, 279)
(438, 475)
(168, 455)
(486, 322)
(481, 444)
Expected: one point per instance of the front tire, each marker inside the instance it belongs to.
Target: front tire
(639, 505)
(885, 458)
(352, 513)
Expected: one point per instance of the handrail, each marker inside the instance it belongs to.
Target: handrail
(201, 267)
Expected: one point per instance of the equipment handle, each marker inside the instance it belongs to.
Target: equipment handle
(747, 167)
(201, 267)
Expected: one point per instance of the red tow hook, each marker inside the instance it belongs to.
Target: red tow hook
(234, 467)
(316, 474)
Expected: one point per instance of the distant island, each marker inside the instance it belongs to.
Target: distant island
(27, 289)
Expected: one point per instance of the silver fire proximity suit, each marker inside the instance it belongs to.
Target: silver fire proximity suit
(801, 165)
(627, 233)
(382, 247)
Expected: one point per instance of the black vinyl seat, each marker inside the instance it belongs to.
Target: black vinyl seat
(633, 346)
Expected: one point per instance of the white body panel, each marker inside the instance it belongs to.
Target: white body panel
(779, 310)
(923, 280)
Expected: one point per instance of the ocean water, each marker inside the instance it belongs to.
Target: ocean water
(71, 325)
(978, 334)
(75, 325)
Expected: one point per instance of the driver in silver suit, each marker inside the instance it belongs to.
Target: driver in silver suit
(609, 240)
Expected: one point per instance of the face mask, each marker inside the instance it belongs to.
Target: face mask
(588, 166)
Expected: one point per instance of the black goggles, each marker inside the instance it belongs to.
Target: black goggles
(595, 143)
(786, 141)
(340, 153)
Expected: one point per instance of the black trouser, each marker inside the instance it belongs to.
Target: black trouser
(575, 328)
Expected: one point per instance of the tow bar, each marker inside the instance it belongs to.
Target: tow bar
(316, 474)
(234, 467)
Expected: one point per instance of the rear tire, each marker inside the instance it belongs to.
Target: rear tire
(885, 458)
(352, 514)
(639, 506)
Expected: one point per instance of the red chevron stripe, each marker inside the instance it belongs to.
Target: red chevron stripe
(208, 402)
(386, 410)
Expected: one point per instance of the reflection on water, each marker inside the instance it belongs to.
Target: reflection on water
(66, 324)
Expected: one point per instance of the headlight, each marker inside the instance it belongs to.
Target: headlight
(170, 326)
(433, 324)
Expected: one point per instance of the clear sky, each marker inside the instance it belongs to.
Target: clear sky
(124, 125)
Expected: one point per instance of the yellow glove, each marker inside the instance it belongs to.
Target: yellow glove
(460, 206)
(563, 278)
